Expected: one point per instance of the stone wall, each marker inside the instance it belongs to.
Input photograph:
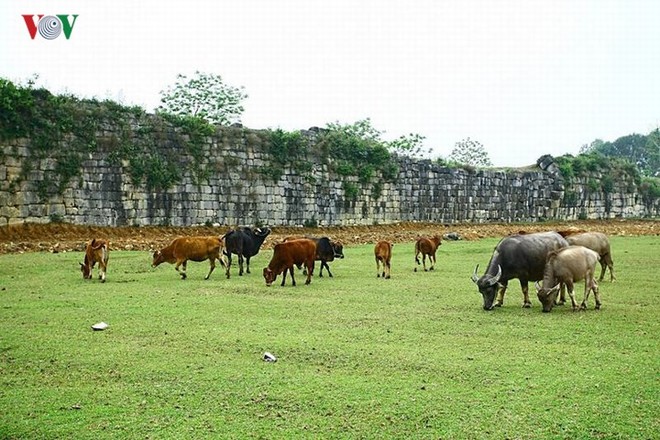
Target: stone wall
(236, 192)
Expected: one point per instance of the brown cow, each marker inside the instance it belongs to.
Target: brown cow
(183, 249)
(596, 241)
(383, 254)
(427, 246)
(97, 251)
(289, 254)
(326, 250)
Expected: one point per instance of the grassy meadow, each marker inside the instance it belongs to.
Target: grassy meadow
(358, 356)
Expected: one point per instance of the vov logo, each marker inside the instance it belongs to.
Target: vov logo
(50, 26)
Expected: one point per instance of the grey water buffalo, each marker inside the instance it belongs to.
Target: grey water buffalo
(245, 243)
(427, 246)
(596, 241)
(565, 267)
(521, 256)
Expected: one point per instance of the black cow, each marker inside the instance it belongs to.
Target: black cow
(327, 250)
(245, 243)
(521, 256)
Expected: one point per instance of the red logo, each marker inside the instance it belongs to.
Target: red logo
(50, 26)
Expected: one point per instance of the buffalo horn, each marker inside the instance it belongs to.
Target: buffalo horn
(537, 285)
(475, 278)
(495, 279)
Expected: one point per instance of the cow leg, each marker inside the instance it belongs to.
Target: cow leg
(589, 285)
(212, 261)
(102, 269)
(247, 264)
(524, 285)
(228, 265)
(293, 280)
(610, 264)
(571, 292)
(378, 269)
(603, 268)
(182, 273)
(240, 265)
(310, 271)
(596, 294)
(388, 271)
(432, 261)
(327, 268)
(499, 300)
(562, 296)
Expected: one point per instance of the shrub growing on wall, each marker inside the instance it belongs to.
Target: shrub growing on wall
(64, 128)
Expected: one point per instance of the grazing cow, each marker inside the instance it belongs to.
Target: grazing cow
(289, 254)
(245, 243)
(596, 241)
(326, 250)
(521, 256)
(564, 267)
(183, 249)
(383, 254)
(96, 251)
(427, 246)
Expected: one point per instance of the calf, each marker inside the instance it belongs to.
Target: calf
(596, 241)
(97, 251)
(289, 254)
(183, 249)
(566, 266)
(326, 250)
(383, 254)
(427, 246)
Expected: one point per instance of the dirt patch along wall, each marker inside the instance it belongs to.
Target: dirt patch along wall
(60, 237)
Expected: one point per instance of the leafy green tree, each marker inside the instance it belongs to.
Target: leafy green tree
(653, 153)
(408, 145)
(411, 144)
(641, 150)
(206, 96)
(469, 152)
(596, 145)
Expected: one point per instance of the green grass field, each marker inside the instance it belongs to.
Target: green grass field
(358, 356)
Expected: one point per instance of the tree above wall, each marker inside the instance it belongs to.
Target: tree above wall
(204, 95)
(470, 152)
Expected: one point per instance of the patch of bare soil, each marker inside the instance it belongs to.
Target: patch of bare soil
(62, 237)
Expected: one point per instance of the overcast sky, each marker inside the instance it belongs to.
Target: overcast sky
(523, 77)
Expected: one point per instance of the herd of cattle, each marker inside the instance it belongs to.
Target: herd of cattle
(555, 261)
